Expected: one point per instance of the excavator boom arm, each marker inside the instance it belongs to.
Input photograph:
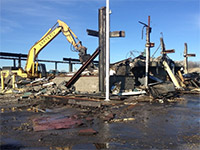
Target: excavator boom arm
(71, 37)
(36, 48)
(47, 38)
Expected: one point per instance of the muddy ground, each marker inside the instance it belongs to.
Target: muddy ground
(146, 125)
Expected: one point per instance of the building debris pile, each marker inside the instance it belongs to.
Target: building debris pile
(40, 86)
(191, 80)
(160, 85)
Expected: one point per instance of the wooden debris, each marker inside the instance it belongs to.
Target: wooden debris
(89, 131)
(108, 116)
(85, 103)
(122, 120)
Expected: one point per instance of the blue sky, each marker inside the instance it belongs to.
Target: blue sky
(23, 22)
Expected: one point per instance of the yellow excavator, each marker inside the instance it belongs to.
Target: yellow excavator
(35, 70)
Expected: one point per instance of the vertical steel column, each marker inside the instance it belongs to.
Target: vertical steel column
(102, 45)
(14, 62)
(70, 66)
(186, 55)
(56, 65)
(186, 59)
(162, 47)
(19, 62)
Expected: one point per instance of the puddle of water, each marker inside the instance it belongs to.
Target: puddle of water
(10, 144)
(37, 148)
(84, 146)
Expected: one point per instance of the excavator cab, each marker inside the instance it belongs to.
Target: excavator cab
(41, 70)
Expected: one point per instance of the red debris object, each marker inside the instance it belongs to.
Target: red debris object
(55, 122)
(108, 117)
(89, 131)
(89, 119)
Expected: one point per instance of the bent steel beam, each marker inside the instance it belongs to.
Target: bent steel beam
(76, 76)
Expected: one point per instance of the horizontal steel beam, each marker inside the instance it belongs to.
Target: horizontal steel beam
(24, 59)
(13, 54)
(190, 55)
(117, 34)
(73, 60)
(168, 51)
(92, 32)
(112, 34)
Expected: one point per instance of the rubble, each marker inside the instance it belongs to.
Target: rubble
(107, 116)
(127, 87)
(50, 120)
(89, 131)
(158, 88)
(122, 120)
(162, 90)
(131, 93)
(127, 80)
(85, 103)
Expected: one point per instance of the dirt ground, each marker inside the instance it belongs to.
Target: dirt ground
(191, 70)
(132, 125)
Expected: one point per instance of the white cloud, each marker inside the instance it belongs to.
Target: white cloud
(14, 13)
(42, 8)
(32, 8)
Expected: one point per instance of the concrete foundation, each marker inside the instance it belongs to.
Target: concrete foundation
(90, 84)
